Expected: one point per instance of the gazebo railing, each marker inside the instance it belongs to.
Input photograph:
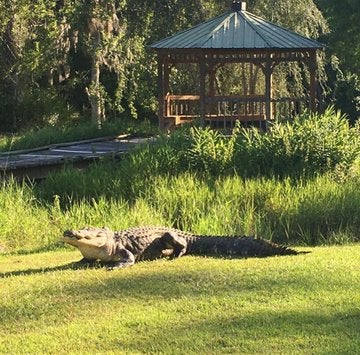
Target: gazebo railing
(223, 111)
(243, 108)
(288, 107)
(186, 106)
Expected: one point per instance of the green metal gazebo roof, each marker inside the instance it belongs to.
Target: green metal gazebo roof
(237, 29)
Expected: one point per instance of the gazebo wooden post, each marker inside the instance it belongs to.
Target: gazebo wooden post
(202, 93)
(212, 89)
(268, 71)
(161, 91)
(212, 74)
(312, 68)
(166, 77)
(167, 69)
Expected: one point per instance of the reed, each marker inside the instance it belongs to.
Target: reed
(309, 212)
(197, 180)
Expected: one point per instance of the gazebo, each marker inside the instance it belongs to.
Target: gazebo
(236, 36)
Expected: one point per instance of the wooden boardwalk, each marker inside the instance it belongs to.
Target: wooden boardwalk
(37, 163)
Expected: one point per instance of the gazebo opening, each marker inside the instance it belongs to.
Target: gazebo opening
(231, 70)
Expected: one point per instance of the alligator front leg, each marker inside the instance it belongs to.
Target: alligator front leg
(124, 259)
(84, 262)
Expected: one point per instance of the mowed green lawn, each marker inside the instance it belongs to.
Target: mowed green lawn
(306, 304)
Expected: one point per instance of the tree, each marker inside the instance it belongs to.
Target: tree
(28, 35)
(343, 43)
(97, 31)
(344, 37)
(57, 56)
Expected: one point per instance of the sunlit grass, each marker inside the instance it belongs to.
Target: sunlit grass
(308, 304)
(298, 304)
(309, 212)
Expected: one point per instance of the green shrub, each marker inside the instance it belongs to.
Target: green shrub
(307, 147)
(189, 149)
(207, 152)
(310, 145)
(202, 181)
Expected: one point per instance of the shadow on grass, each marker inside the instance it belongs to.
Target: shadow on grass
(257, 332)
(195, 283)
(76, 265)
(69, 266)
(163, 279)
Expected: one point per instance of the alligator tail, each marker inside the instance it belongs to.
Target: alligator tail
(237, 247)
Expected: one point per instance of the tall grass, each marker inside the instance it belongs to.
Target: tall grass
(201, 181)
(310, 212)
(60, 134)
(24, 223)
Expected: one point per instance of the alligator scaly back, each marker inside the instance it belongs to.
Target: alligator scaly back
(237, 246)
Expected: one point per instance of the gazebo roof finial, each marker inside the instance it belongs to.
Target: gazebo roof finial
(238, 6)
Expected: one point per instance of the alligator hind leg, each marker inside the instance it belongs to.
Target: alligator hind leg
(170, 240)
(168, 244)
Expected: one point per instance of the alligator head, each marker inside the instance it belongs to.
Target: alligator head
(93, 243)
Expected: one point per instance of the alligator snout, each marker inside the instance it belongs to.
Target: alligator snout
(71, 234)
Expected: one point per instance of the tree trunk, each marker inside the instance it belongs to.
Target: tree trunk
(94, 93)
(11, 55)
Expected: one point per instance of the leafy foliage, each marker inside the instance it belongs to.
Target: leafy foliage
(343, 48)
(92, 56)
(311, 144)
(343, 19)
(299, 182)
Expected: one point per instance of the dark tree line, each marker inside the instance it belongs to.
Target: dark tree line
(65, 60)
(343, 50)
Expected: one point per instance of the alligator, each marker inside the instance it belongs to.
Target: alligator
(119, 249)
